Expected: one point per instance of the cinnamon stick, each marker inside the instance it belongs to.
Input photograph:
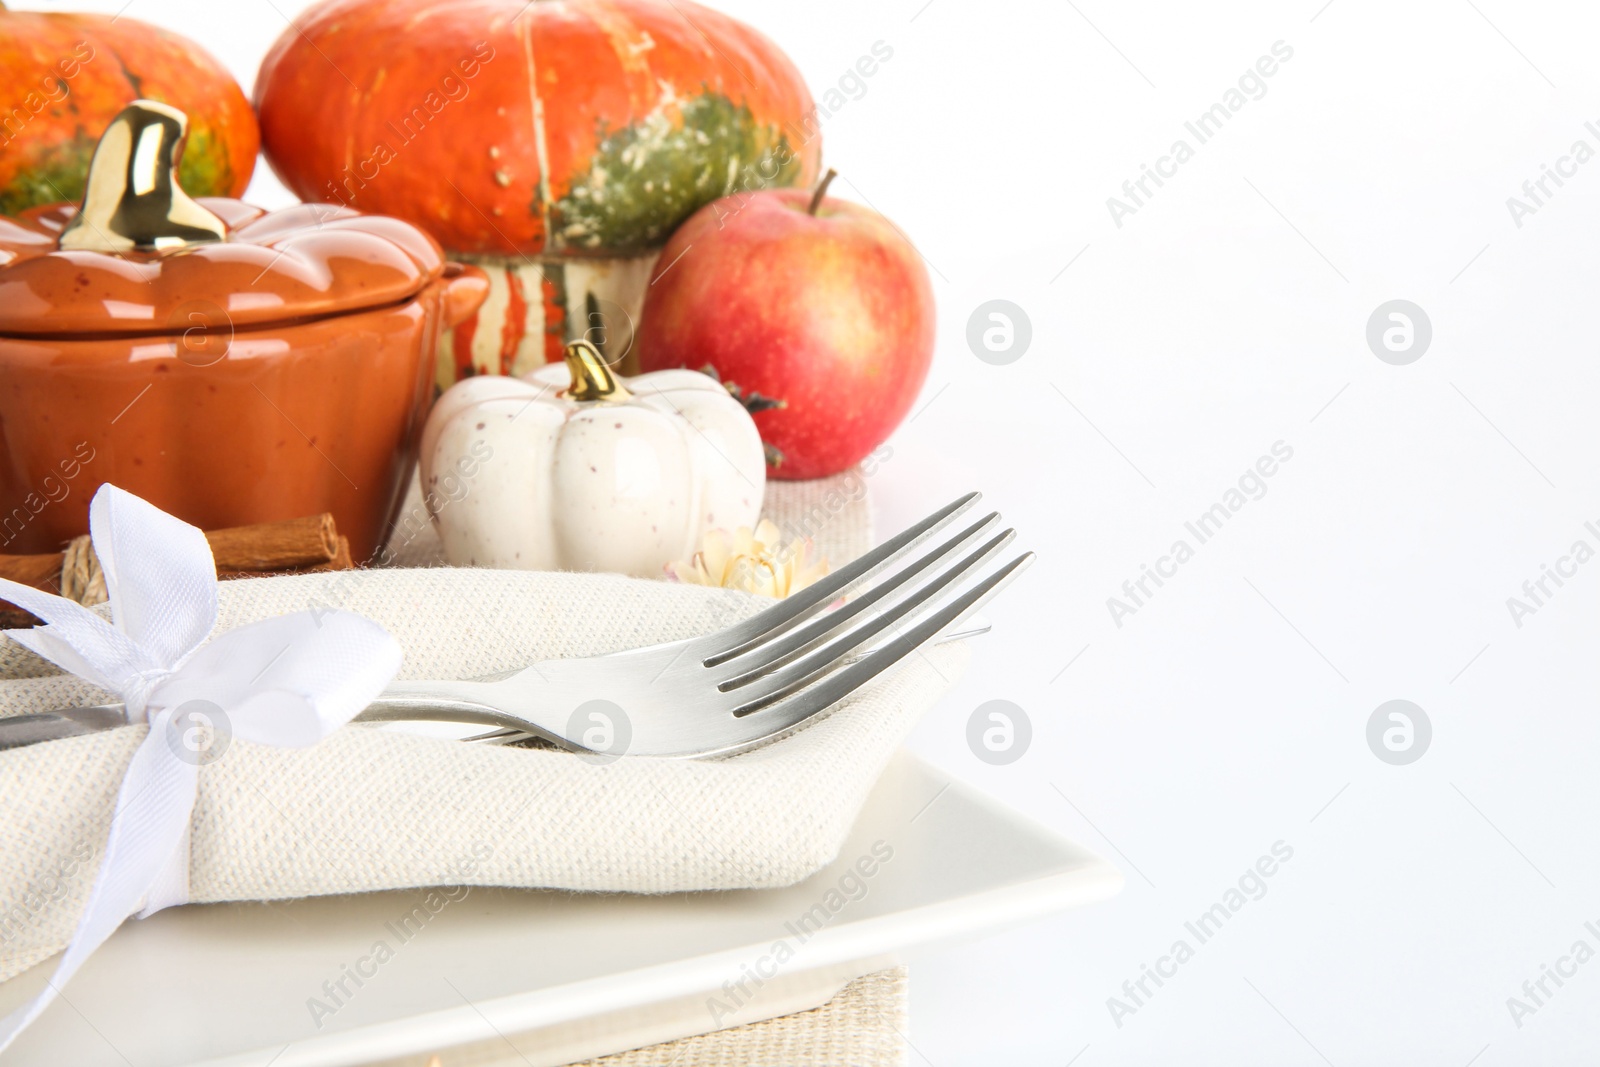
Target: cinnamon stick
(41, 572)
(340, 561)
(299, 546)
(14, 618)
(276, 546)
(269, 547)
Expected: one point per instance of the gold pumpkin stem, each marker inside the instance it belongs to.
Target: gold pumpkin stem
(591, 378)
(132, 201)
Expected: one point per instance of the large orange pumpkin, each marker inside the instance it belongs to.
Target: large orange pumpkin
(66, 76)
(557, 143)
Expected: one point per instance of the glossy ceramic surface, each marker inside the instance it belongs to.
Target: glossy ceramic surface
(282, 372)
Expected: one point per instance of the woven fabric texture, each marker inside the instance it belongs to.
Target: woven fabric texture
(860, 1027)
(371, 808)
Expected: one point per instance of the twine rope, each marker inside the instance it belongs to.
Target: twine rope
(81, 577)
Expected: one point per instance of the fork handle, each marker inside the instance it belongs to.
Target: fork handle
(448, 702)
(19, 731)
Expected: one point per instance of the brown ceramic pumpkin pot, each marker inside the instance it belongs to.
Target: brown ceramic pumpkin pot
(230, 365)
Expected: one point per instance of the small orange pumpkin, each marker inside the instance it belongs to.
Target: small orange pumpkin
(66, 76)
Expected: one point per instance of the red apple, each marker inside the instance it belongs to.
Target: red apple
(818, 313)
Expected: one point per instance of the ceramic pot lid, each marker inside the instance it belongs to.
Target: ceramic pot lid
(140, 257)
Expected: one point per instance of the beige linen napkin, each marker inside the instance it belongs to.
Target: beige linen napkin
(372, 809)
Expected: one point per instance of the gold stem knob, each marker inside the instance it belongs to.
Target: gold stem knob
(591, 378)
(132, 201)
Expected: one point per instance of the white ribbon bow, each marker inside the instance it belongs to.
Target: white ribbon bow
(288, 681)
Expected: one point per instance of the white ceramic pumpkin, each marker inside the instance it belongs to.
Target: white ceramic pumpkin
(571, 468)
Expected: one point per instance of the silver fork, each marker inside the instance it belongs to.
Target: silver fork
(723, 692)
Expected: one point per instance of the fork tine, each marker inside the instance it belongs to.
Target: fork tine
(809, 702)
(791, 678)
(502, 736)
(776, 651)
(795, 609)
(958, 630)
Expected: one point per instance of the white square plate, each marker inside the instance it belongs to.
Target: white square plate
(547, 977)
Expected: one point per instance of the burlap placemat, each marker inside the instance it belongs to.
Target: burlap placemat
(833, 513)
(860, 1027)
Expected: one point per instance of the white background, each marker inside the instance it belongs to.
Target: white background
(1227, 314)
